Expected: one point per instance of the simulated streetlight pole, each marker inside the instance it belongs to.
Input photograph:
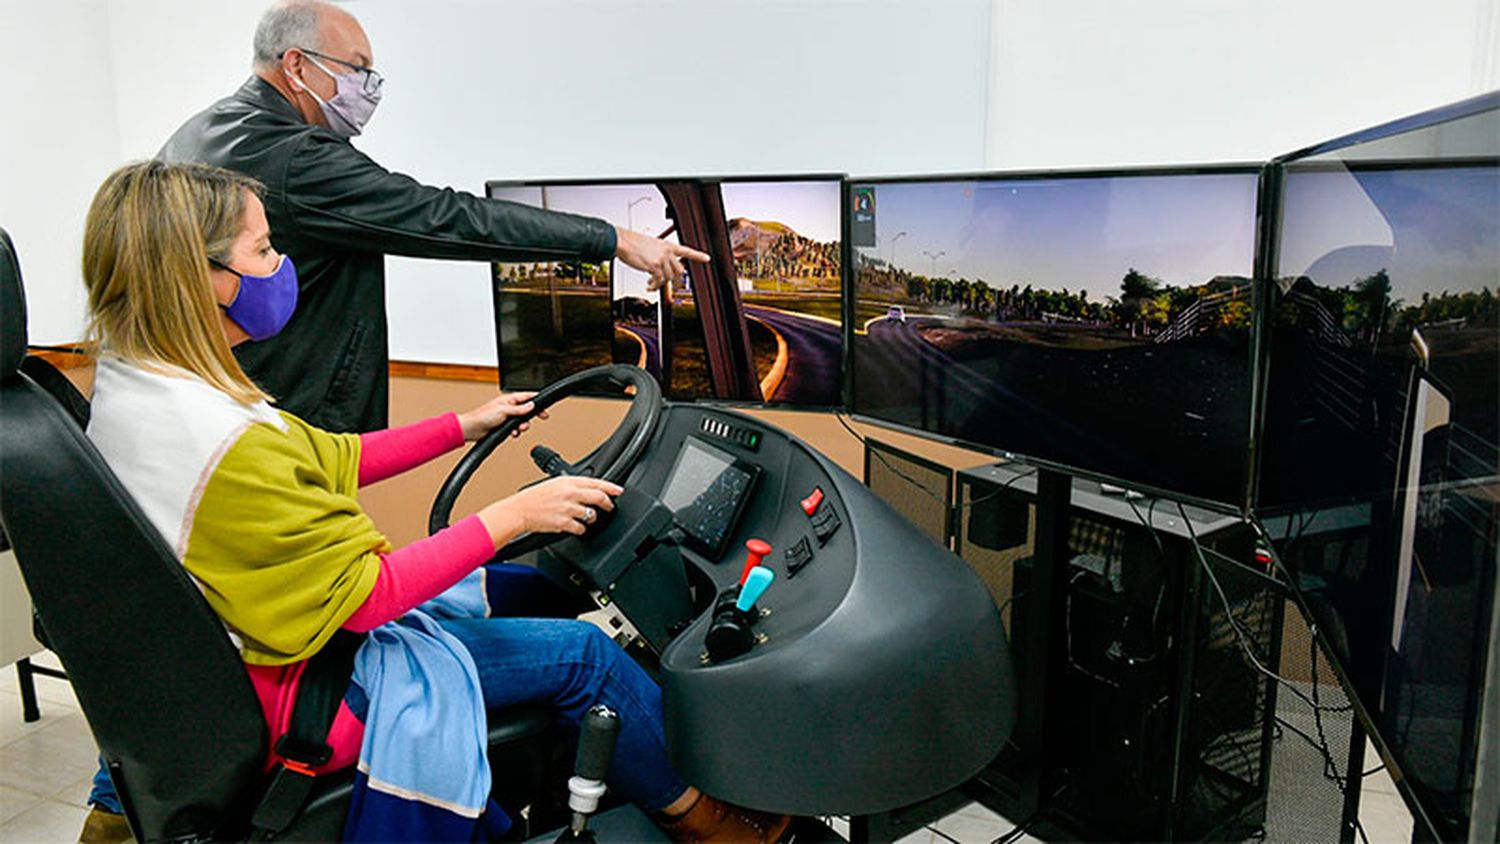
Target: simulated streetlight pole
(934, 256)
(897, 237)
(630, 209)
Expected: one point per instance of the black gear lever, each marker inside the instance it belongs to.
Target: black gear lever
(596, 746)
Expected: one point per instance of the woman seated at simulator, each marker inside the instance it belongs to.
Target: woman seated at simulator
(260, 507)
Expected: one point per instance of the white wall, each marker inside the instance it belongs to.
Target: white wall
(480, 90)
(1116, 82)
(544, 88)
(58, 140)
(170, 59)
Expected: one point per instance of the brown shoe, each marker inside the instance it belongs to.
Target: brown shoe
(713, 820)
(101, 827)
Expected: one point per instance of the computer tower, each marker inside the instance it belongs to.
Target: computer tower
(1146, 718)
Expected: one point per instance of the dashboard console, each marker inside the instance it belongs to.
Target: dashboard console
(818, 653)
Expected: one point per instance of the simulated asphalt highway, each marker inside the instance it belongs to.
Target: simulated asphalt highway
(814, 348)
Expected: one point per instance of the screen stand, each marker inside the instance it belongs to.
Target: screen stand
(1054, 491)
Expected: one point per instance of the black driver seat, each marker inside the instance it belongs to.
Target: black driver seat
(162, 688)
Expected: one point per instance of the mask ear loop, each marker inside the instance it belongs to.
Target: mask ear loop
(237, 288)
(301, 85)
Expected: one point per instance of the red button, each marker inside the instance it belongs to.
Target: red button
(810, 503)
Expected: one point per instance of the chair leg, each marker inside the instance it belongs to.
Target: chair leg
(27, 674)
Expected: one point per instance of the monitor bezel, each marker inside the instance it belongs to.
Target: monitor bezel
(1240, 507)
(1267, 268)
(1400, 126)
(1325, 156)
(840, 179)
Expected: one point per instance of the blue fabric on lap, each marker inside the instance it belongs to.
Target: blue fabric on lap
(424, 775)
(380, 813)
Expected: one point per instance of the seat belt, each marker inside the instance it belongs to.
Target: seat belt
(305, 746)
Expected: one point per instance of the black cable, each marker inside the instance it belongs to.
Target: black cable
(941, 834)
(918, 484)
(1313, 743)
(1005, 605)
(1242, 635)
(1375, 770)
(1160, 548)
(1330, 765)
(1003, 487)
(1020, 829)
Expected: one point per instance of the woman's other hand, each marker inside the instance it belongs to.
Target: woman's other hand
(567, 504)
(490, 415)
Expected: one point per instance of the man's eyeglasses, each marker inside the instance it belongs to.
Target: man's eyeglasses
(372, 78)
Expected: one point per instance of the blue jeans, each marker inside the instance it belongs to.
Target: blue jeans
(567, 664)
(571, 665)
(103, 793)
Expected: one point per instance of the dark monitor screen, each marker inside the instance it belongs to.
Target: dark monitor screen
(1379, 479)
(1095, 321)
(553, 318)
(1382, 270)
(773, 332)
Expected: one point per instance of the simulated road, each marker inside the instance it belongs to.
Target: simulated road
(814, 348)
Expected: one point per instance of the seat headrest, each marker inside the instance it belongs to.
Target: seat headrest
(12, 310)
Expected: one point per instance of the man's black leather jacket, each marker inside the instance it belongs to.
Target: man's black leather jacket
(337, 214)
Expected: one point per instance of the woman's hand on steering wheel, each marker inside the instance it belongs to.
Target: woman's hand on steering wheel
(486, 417)
(567, 504)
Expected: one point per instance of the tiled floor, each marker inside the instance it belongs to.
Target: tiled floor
(46, 766)
(1382, 812)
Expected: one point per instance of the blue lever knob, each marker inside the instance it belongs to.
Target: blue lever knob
(756, 582)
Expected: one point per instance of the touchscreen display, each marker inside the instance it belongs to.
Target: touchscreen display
(705, 492)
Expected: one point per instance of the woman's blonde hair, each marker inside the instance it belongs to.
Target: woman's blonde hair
(150, 233)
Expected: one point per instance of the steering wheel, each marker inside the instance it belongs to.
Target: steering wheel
(611, 461)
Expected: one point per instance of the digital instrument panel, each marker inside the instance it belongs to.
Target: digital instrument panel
(706, 492)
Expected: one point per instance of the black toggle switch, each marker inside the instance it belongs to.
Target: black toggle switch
(797, 556)
(825, 524)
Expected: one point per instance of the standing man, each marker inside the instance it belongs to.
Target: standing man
(338, 214)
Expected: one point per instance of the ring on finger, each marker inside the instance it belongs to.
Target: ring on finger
(589, 515)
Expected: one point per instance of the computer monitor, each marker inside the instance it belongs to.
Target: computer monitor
(1095, 321)
(1379, 475)
(554, 318)
(760, 323)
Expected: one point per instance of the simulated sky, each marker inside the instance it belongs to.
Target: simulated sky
(1431, 229)
(810, 208)
(640, 207)
(1073, 233)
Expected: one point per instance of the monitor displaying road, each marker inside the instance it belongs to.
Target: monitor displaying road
(1097, 322)
(780, 236)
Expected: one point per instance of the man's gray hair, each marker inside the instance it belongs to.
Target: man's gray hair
(288, 24)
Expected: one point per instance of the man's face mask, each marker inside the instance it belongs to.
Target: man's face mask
(355, 100)
(264, 303)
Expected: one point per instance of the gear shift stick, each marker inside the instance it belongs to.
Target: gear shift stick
(596, 746)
